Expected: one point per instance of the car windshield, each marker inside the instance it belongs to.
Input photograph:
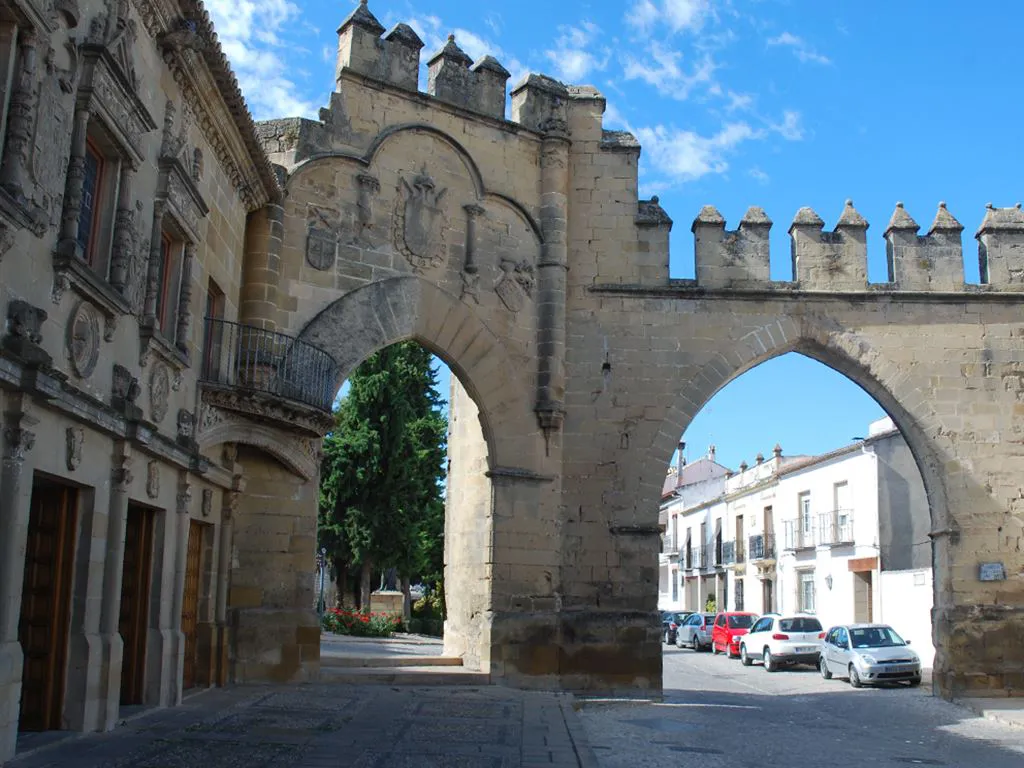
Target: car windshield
(875, 637)
(741, 622)
(799, 624)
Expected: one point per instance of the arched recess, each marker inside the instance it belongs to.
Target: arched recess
(297, 454)
(409, 308)
(849, 354)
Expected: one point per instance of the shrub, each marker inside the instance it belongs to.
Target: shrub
(342, 622)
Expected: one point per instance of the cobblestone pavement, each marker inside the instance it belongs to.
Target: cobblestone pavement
(315, 726)
(716, 712)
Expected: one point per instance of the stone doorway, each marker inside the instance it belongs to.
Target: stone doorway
(135, 585)
(46, 605)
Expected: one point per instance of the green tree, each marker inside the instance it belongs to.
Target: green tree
(382, 476)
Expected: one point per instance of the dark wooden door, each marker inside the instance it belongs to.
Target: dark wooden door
(135, 584)
(190, 604)
(46, 605)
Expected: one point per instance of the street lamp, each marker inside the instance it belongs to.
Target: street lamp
(321, 563)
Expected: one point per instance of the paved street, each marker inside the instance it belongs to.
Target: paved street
(718, 713)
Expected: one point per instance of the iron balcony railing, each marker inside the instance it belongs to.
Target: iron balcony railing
(729, 552)
(243, 356)
(762, 547)
(798, 536)
(702, 557)
(836, 527)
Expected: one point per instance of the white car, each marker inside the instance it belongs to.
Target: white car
(782, 640)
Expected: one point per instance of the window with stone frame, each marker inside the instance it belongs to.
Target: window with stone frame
(101, 171)
(172, 248)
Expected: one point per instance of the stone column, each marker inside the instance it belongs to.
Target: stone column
(111, 642)
(261, 270)
(15, 500)
(184, 500)
(21, 120)
(230, 505)
(185, 298)
(551, 278)
(154, 265)
(68, 244)
(124, 229)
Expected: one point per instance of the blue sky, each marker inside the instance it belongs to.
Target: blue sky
(777, 103)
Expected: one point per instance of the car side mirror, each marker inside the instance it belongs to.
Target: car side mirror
(907, 642)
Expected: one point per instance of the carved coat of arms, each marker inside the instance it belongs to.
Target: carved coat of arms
(420, 221)
(516, 283)
(321, 241)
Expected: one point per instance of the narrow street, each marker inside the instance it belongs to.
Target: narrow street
(717, 712)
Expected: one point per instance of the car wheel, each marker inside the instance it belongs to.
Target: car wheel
(745, 660)
(664, 637)
(826, 673)
(769, 662)
(914, 682)
(855, 678)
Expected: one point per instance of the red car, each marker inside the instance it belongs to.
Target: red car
(729, 626)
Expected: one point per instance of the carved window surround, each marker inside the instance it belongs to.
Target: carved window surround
(178, 197)
(105, 98)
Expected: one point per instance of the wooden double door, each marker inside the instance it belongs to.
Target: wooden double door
(190, 603)
(136, 582)
(46, 604)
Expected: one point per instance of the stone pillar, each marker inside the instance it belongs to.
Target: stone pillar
(124, 229)
(554, 215)
(184, 501)
(15, 500)
(68, 243)
(185, 298)
(154, 265)
(8, 44)
(111, 642)
(261, 270)
(21, 114)
(230, 505)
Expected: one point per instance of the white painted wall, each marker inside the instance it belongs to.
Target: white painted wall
(906, 604)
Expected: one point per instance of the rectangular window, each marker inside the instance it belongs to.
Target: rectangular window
(213, 344)
(675, 586)
(88, 221)
(807, 591)
(171, 250)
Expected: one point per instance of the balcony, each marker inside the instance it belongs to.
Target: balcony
(687, 555)
(797, 536)
(271, 378)
(732, 552)
(703, 557)
(836, 527)
(762, 547)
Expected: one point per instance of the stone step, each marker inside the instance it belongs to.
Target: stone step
(404, 676)
(389, 661)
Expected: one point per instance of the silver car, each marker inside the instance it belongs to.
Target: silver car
(695, 631)
(867, 654)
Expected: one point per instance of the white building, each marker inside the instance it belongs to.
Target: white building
(842, 535)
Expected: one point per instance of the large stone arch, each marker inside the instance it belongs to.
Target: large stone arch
(409, 308)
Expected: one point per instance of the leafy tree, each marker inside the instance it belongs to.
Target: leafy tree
(382, 475)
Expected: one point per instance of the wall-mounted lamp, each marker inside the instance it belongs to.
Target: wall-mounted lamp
(828, 581)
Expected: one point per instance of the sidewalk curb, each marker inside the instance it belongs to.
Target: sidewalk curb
(978, 706)
(584, 754)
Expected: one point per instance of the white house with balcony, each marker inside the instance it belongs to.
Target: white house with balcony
(843, 535)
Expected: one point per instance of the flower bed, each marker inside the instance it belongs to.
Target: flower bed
(342, 622)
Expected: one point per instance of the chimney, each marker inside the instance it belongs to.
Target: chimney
(777, 451)
(681, 458)
(711, 453)
(760, 458)
(743, 466)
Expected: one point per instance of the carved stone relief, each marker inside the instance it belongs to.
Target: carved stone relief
(83, 339)
(207, 504)
(74, 439)
(516, 283)
(321, 240)
(159, 392)
(125, 390)
(152, 479)
(368, 187)
(420, 223)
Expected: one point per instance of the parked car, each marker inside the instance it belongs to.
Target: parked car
(780, 641)
(695, 631)
(729, 627)
(867, 654)
(670, 621)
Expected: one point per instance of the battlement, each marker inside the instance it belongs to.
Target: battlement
(837, 260)
(538, 102)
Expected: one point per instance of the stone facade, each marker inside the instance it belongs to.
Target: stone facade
(137, 197)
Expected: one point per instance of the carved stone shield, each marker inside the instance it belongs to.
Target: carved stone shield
(321, 247)
(420, 222)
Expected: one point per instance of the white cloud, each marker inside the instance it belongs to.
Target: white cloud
(249, 32)
(684, 155)
(791, 128)
(664, 70)
(758, 175)
(677, 15)
(739, 101)
(571, 59)
(801, 49)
